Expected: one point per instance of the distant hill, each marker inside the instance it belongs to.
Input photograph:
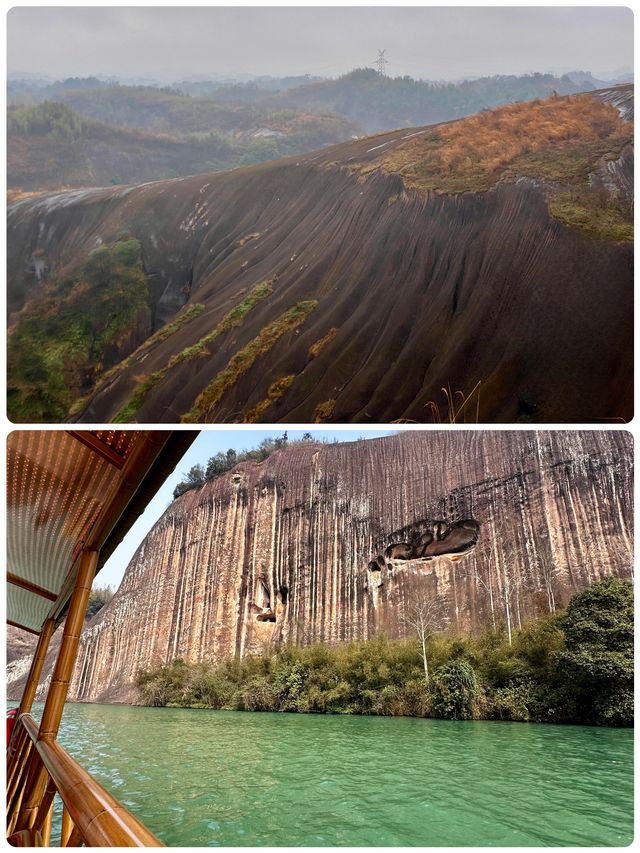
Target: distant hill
(51, 146)
(586, 78)
(168, 111)
(245, 91)
(377, 103)
(115, 134)
(365, 98)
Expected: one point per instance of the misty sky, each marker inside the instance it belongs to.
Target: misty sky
(168, 43)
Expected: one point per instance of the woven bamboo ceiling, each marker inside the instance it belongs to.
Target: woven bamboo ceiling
(73, 489)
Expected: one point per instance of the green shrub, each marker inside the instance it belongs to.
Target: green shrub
(454, 688)
(289, 682)
(517, 702)
(596, 667)
(47, 119)
(62, 337)
(537, 678)
(258, 694)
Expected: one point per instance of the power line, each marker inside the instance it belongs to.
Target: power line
(382, 62)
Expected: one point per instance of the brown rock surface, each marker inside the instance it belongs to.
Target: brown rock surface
(409, 289)
(282, 550)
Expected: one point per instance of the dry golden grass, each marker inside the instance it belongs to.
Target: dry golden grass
(247, 238)
(316, 348)
(458, 406)
(323, 411)
(244, 359)
(16, 194)
(276, 390)
(558, 139)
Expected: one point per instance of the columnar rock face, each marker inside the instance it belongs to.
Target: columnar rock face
(296, 548)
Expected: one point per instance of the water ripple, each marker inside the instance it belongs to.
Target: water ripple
(212, 778)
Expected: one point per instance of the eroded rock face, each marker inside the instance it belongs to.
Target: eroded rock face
(412, 288)
(286, 550)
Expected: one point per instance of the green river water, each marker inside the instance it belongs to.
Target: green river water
(218, 778)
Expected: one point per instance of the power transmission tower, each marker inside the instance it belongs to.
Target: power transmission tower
(382, 62)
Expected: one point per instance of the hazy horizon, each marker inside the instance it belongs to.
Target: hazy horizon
(168, 44)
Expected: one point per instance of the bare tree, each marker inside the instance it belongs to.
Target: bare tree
(424, 616)
(507, 591)
(487, 556)
(549, 572)
(508, 585)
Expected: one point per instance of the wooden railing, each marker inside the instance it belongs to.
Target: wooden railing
(90, 816)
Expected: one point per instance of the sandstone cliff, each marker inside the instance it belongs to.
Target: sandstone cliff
(351, 284)
(281, 551)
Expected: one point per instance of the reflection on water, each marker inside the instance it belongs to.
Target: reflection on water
(210, 778)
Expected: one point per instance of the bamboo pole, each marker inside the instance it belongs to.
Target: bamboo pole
(35, 671)
(56, 697)
(19, 740)
(42, 822)
(75, 839)
(99, 817)
(67, 827)
(16, 784)
(46, 827)
(57, 694)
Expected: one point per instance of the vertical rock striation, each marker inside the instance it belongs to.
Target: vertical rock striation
(285, 550)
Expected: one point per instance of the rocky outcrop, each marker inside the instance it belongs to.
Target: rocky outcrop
(395, 292)
(295, 549)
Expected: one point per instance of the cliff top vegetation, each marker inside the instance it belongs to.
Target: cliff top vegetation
(558, 141)
(219, 464)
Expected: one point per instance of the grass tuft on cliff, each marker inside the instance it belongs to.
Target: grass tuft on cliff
(323, 411)
(232, 319)
(244, 359)
(316, 348)
(63, 336)
(275, 391)
(608, 220)
(162, 334)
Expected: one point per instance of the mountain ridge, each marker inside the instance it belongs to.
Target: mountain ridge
(334, 228)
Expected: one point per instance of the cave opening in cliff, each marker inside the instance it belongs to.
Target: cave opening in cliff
(269, 616)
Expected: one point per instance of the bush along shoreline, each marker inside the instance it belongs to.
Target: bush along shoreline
(575, 666)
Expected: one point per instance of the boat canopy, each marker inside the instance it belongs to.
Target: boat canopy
(72, 497)
(72, 490)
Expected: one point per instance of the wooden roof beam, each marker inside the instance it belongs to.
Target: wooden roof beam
(23, 627)
(137, 466)
(97, 446)
(31, 587)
